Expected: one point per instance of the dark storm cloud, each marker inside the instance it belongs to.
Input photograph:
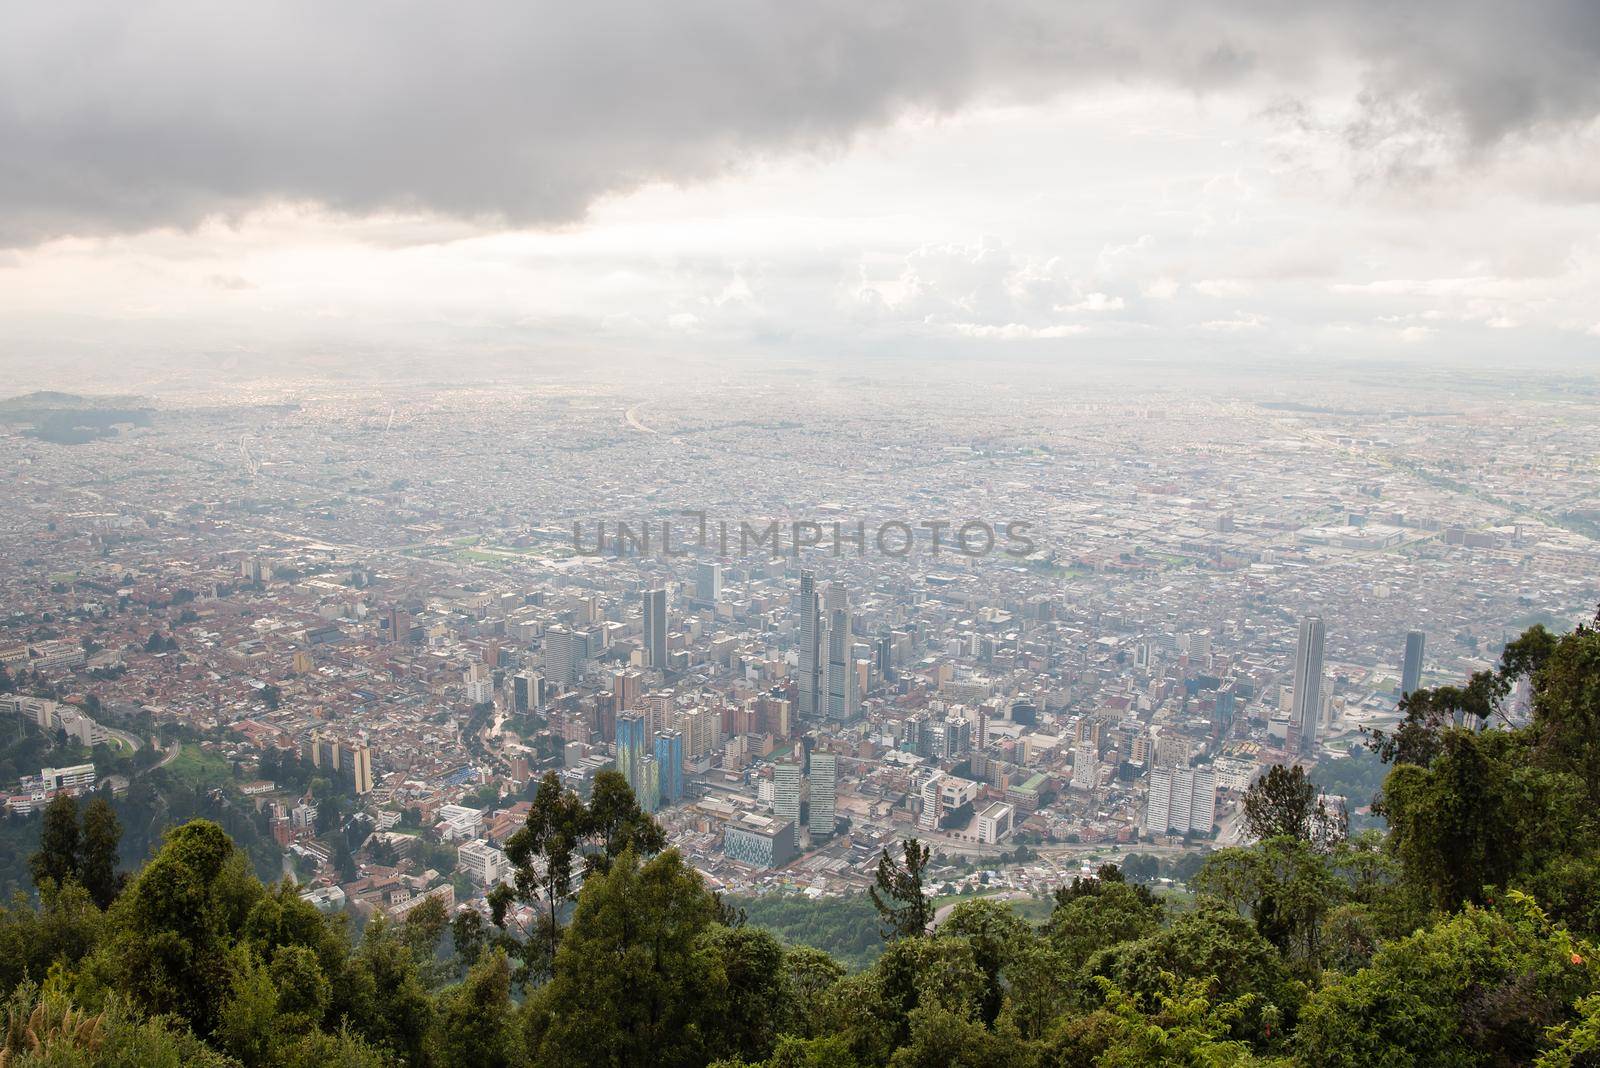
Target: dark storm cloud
(118, 116)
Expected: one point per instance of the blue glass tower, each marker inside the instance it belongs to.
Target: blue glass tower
(669, 756)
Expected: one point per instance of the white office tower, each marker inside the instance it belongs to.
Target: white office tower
(1303, 716)
(824, 793)
(840, 677)
(786, 795)
(708, 583)
(480, 691)
(1158, 806)
(1085, 767)
(1181, 800)
(810, 682)
(1203, 808)
(932, 808)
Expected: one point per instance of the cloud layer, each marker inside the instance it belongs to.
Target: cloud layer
(122, 117)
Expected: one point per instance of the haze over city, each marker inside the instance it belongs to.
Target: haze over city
(753, 441)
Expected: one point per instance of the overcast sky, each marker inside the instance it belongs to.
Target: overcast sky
(1179, 180)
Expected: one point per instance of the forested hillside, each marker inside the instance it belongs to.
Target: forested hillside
(1464, 936)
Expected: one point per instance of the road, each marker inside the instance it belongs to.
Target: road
(632, 416)
(942, 913)
(119, 783)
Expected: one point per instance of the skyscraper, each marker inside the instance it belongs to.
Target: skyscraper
(824, 793)
(633, 731)
(629, 688)
(669, 758)
(648, 790)
(1411, 670)
(786, 794)
(655, 628)
(840, 676)
(810, 682)
(562, 657)
(708, 583)
(1307, 688)
(1085, 767)
(1181, 800)
(527, 691)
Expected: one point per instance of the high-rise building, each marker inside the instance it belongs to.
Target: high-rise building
(932, 807)
(655, 628)
(1411, 669)
(759, 841)
(702, 731)
(883, 657)
(957, 737)
(480, 686)
(708, 583)
(633, 732)
(1085, 767)
(786, 779)
(669, 759)
(629, 688)
(350, 762)
(812, 703)
(527, 691)
(839, 678)
(355, 767)
(1303, 715)
(648, 790)
(482, 862)
(564, 652)
(1181, 800)
(399, 625)
(824, 793)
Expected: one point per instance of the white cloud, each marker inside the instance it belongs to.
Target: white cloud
(1224, 288)
(1016, 331)
(1093, 302)
(1241, 321)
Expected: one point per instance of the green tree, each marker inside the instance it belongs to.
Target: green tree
(58, 858)
(1480, 988)
(1284, 803)
(171, 928)
(809, 975)
(750, 998)
(475, 1028)
(1095, 914)
(998, 937)
(616, 823)
(248, 1025)
(904, 908)
(630, 982)
(542, 853)
(1284, 885)
(385, 996)
(1180, 1024)
(1214, 945)
(1481, 814)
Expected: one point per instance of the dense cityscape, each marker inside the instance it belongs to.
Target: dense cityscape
(772, 535)
(788, 643)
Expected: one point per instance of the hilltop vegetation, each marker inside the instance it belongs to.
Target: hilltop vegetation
(1464, 936)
